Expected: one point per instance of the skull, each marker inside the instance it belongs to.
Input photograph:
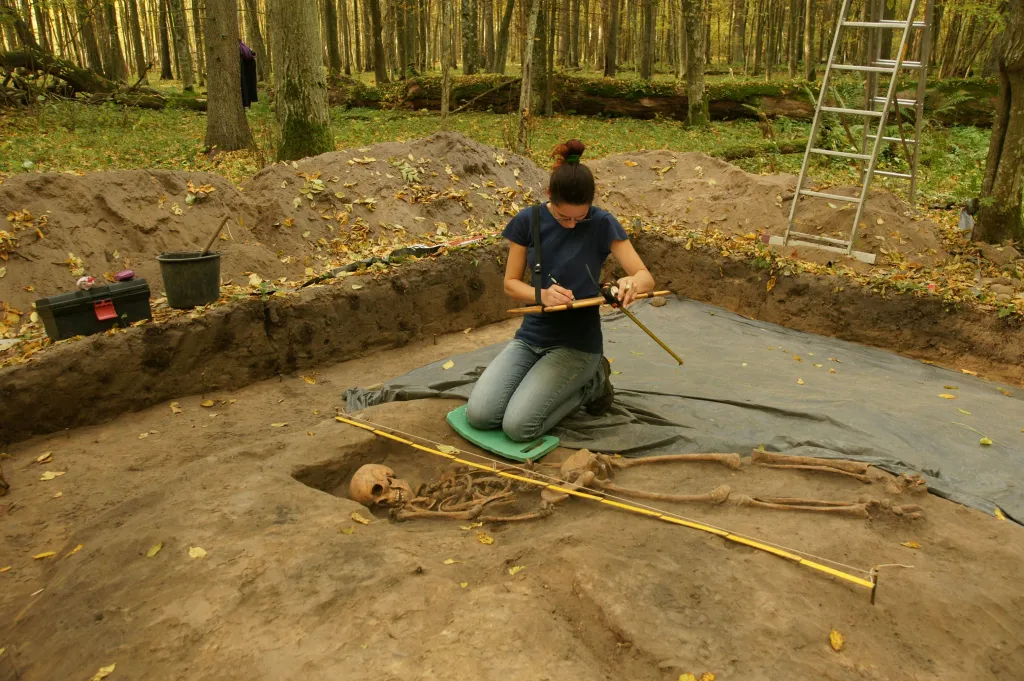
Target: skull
(376, 485)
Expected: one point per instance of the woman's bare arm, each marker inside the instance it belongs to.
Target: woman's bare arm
(638, 279)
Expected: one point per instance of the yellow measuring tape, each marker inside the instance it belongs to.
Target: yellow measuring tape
(739, 539)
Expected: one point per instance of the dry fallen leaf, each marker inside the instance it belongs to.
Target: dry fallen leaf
(836, 640)
(463, 584)
(360, 519)
(707, 676)
(450, 561)
(771, 284)
(687, 677)
(356, 287)
(196, 552)
(947, 396)
(309, 379)
(799, 381)
(175, 408)
(998, 512)
(45, 457)
(46, 554)
(282, 424)
(5, 568)
(964, 411)
(471, 526)
(58, 495)
(448, 365)
(103, 673)
(985, 442)
(484, 538)
(448, 449)
(143, 436)
(516, 568)
(911, 544)
(1006, 392)
(75, 550)
(348, 530)
(631, 164)
(50, 475)
(831, 371)
(153, 550)
(969, 372)
(207, 403)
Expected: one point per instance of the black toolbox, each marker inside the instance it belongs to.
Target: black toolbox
(100, 308)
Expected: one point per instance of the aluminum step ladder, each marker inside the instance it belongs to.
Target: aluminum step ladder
(872, 141)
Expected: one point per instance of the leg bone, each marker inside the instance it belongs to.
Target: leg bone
(728, 460)
(764, 457)
(855, 510)
(716, 496)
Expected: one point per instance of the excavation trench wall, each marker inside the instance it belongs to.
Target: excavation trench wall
(95, 379)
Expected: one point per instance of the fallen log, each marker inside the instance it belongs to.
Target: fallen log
(81, 80)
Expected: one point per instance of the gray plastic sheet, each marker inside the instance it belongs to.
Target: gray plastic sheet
(747, 384)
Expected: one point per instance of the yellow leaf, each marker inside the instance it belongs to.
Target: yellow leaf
(689, 244)
(46, 457)
(175, 408)
(309, 379)
(516, 568)
(153, 550)
(282, 424)
(964, 411)
(969, 372)
(463, 584)
(207, 403)
(999, 514)
(47, 554)
(5, 568)
(950, 387)
(103, 673)
(356, 287)
(58, 495)
(771, 284)
(631, 164)
(196, 552)
(911, 544)
(797, 358)
(50, 475)
(687, 677)
(831, 371)
(471, 526)
(817, 366)
(985, 442)
(143, 436)
(947, 396)
(707, 676)
(799, 381)
(450, 561)
(360, 519)
(638, 354)
(448, 365)
(75, 550)
(1006, 392)
(448, 449)
(836, 640)
(348, 530)
(484, 538)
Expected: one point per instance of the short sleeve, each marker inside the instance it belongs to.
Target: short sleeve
(518, 230)
(614, 230)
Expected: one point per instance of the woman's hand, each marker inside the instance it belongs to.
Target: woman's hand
(556, 295)
(628, 287)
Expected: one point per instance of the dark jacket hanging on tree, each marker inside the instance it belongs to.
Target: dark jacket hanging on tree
(248, 58)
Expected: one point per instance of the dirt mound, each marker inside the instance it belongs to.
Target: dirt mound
(364, 202)
(289, 220)
(700, 192)
(66, 225)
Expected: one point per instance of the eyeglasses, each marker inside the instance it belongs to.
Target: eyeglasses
(564, 218)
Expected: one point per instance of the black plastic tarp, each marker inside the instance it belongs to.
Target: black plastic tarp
(747, 384)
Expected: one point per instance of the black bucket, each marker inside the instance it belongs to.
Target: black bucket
(190, 278)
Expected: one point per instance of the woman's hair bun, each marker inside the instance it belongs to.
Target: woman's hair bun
(568, 152)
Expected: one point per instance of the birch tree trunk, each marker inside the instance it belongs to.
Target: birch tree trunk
(197, 28)
(301, 89)
(226, 126)
(526, 89)
(696, 103)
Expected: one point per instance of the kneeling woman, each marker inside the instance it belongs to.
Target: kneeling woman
(555, 364)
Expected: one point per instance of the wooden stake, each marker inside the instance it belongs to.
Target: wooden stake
(586, 302)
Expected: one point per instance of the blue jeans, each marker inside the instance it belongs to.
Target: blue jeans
(527, 390)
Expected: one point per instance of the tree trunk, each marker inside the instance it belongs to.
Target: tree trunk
(424, 32)
(759, 17)
(302, 113)
(411, 29)
(650, 9)
(41, 24)
(165, 44)
(226, 126)
(197, 27)
(88, 30)
(398, 11)
(116, 69)
(140, 56)
(791, 51)
(447, 23)
(549, 76)
(611, 37)
(808, 41)
(179, 28)
(562, 10)
(469, 47)
(489, 47)
(380, 68)
(22, 23)
(738, 40)
(357, 37)
(526, 88)
(346, 41)
(501, 47)
(331, 36)
(1000, 216)
(574, 34)
(256, 36)
(540, 60)
(696, 105)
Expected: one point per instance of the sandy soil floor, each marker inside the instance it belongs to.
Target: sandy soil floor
(291, 587)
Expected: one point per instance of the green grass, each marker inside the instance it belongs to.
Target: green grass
(67, 136)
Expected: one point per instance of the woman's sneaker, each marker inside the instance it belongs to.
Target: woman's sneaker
(603, 402)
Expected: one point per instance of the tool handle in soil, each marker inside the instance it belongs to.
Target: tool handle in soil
(215, 235)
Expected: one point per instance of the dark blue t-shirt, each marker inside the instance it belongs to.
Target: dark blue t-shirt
(565, 255)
